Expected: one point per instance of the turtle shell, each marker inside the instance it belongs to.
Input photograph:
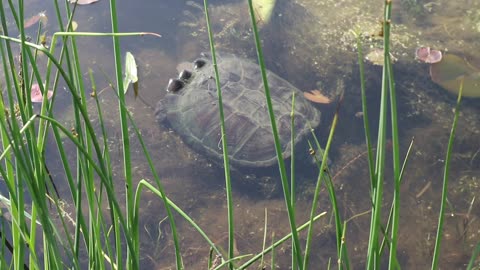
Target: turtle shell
(191, 110)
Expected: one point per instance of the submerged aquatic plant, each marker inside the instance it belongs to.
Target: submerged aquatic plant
(452, 70)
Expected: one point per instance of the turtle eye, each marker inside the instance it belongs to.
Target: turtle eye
(185, 75)
(174, 85)
(199, 63)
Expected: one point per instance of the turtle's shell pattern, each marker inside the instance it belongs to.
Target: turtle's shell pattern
(193, 113)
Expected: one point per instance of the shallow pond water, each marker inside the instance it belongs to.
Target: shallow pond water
(308, 43)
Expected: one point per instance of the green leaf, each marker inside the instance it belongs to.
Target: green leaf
(452, 70)
(130, 72)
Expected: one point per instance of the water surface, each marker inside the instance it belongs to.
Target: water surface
(308, 43)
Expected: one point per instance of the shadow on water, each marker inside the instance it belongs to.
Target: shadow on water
(312, 53)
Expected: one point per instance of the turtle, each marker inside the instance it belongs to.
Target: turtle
(190, 108)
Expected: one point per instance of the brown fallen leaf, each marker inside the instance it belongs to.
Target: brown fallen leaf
(41, 16)
(36, 94)
(317, 97)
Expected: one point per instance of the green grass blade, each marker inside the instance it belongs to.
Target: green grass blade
(475, 255)
(343, 248)
(446, 172)
(278, 148)
(277, 243)
(323, 169)
(292, 171)
(386, 239)
(373, 255)
(228, 185)
(265, 230)
(98, 168)
(144, 184)
(366, 124)
(24, 157)
(272, 264)
(395, 139)
(129, 192)
(161, 191)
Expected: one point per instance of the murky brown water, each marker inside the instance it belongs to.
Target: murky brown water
(311, 49)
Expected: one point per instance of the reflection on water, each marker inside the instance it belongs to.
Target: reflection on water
(309, 44)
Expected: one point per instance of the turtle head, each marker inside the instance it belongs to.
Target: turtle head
(174, 85)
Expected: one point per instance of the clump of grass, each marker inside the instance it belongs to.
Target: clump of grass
(99, 237)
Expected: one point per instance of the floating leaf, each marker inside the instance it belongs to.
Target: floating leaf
(130, 72)
(427, 55)
(449, 73)
(36, 94)
(83, 2)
